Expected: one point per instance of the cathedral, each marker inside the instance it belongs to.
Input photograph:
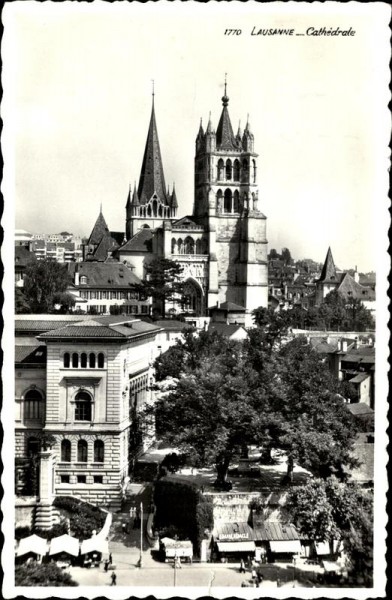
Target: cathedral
(222, 246)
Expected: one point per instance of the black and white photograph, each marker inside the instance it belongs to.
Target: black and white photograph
(195, 299)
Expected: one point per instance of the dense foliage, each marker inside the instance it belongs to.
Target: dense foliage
(39, 575)
(325, 510)
(83, 518)
(55, 531)
(182, 509)
(226, 395)
(45, 284)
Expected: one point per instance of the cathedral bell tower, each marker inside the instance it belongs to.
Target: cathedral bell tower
(226, 198)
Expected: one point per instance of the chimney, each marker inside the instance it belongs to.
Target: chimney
(76, 278)
(356, 275)
(356, 343)
(344, 346)
(328, 339)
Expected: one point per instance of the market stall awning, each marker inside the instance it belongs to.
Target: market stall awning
(286, 546)
(95, 544)
(323, 548)
(33, 543)
(64, 543)
(236, 546)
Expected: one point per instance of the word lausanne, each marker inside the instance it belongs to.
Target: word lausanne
(312, 31)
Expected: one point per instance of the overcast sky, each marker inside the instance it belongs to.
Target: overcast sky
(77, 81)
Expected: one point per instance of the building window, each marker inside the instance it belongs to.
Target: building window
(66, 451)
(99, 451)
(189, 245)
(236, 202)
(98, 479)
(220, 168)
(83, 360)
(66, 360)
(144, 308)
(32, 405)
(227, 201)
(33, 446)
(81, 478)
(82, 451)
(82, 406)
(83, 280)
(75, 360)
(236, 170)
(134, 309)
(64, 479)
(228, 170)
(101, 360)
(92, 360)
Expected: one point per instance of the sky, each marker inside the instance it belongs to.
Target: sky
(77, 101)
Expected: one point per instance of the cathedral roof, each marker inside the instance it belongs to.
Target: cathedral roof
(152, 179)
(174, 203)
(225, 139)
(140, 242)
(329, 270)
(106, 245)
(191, 222)
(99, 230)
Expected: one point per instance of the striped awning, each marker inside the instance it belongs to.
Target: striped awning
(286, 546)
(236, 546)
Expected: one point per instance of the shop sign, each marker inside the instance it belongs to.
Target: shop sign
(234, 536)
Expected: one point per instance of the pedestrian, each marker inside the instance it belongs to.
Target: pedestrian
(242, 566)
(106, 567)
(114, 578)
(123, 527)
(260, 577)
(254, 574)
(110, 558)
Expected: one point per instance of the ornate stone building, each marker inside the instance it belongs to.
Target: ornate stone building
(222, 246)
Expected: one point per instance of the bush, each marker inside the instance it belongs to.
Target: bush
(84, 518)
(38, 575)
(55, 531)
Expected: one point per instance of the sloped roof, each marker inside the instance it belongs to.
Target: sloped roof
(274, 531)
(106, 245)
(140, 242)
(360, 378)
(23, 256)
(188, 222)
(99, 230)
(364, 452)
(39, 325)
(104, 275)
(224, 329)
(349, 287)
(30, 354)
(225, 139)
(328, 273)
(359, 408)
(228, 306)
(152, 179)
(171, 324)
(102, 327)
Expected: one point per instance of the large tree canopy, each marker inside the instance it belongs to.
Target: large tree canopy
(163, 283)
(45, 282)
(325, 510)
(230, 394)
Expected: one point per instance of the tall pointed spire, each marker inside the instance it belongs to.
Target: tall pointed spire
(129, 202)
(152, 179)
(99, 230)
(329, 270)
(225, 139)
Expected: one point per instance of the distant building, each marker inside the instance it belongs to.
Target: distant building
(23, 257)
(346, 285)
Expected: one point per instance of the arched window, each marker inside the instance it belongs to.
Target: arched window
(32, 404)
(149, 210)
(189, 245)
(99, 451)
(92, 360)
(245, 170)
(173, 246)
(219, 196)
(227, 202)
(66, 451)
(205, 247)
(83, 280)
(254, 171)
(101, 360)
(180, 247)
(82, 406)
(66, 360)
(236, 202)
(154, 208)
(82, 451)
(228, 169)
(236, 170)
(220, 168)
(75, 360)
(198, 247)
(83, 360)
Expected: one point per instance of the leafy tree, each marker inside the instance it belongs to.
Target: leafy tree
(22, 305)
(273, 255)
(359, 317)
(64, 302)
(45, 279)
(39, 575)
(324, 510)
(163, 283)
(274, 325)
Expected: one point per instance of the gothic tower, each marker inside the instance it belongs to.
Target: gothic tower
(151, 203)
(226, 198)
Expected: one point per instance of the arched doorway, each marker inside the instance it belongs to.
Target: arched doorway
(193, 297)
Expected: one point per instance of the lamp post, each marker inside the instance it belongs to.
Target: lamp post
(294, 561)
(141, 535)
(175, 569)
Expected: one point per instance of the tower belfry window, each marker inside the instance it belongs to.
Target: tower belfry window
(228, 170)
(227, 201)
(220, 169)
